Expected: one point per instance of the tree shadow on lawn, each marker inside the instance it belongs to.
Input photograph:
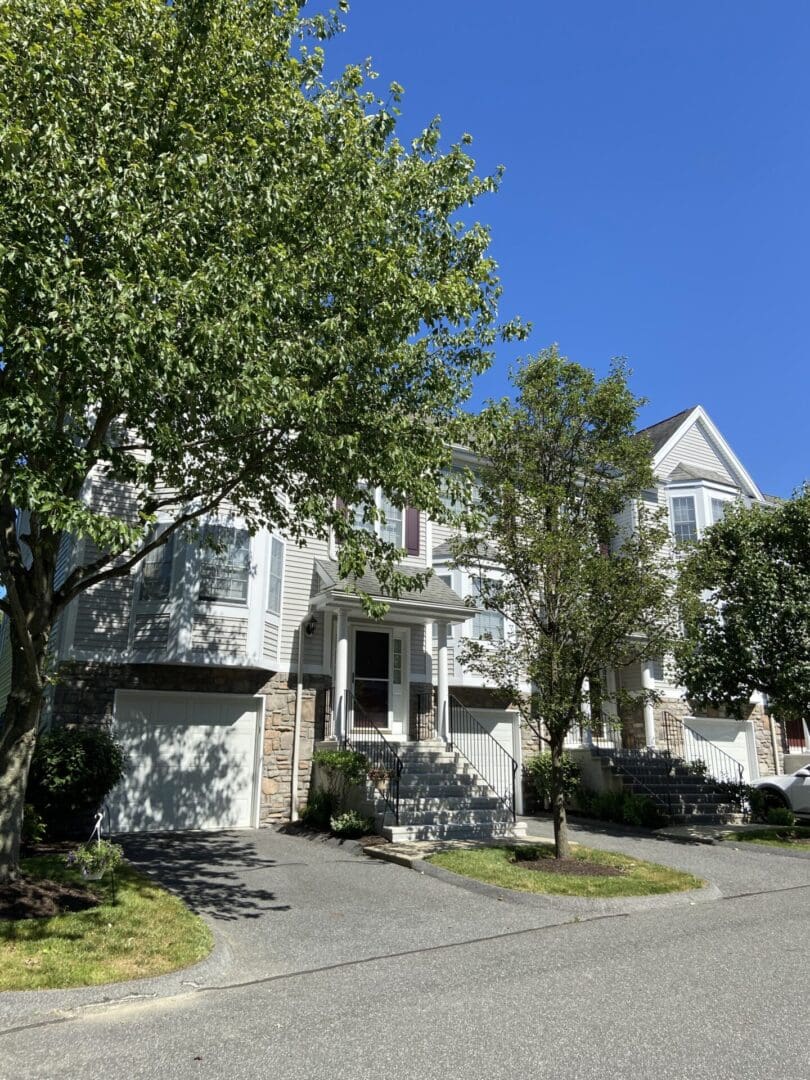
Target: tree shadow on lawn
(210, 871)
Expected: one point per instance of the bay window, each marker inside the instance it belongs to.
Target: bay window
(224, 564)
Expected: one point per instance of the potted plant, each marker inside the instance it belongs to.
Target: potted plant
(95, 858)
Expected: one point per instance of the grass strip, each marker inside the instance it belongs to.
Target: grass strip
(497, 866)
(795, 836)
(148, 931)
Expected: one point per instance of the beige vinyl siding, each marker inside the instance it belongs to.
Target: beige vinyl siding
(102, 614)
(298, 588)
(418, 655)
(150, 630)
(219, 634)
(451, 659)
(697, 449)
(270, 641)
(312, 651)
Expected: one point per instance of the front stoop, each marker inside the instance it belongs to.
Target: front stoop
(695, 799)
(441, 797)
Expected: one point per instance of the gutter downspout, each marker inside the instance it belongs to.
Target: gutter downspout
(299, 701)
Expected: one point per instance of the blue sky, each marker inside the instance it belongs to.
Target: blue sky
(656, 202)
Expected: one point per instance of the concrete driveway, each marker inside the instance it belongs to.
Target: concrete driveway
(334, 965)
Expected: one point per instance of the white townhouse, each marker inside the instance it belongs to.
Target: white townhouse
(221, 668)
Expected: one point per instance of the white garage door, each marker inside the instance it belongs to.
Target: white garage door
(730, 736)
(192, 761)
(500, 725)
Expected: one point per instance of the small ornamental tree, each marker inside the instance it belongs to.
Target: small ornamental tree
(744, 594)
(221, 278)
(578, 594)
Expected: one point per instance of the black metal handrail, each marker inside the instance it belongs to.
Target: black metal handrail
(620, 760)
(712, 763)
(384, 763)
(496, 766)
(327, 714)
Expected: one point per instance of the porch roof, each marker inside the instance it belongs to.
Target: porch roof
(435, 601)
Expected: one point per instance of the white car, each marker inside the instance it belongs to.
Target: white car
(791, 790)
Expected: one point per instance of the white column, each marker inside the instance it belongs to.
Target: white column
(587, 732)
(443, 687)
(648, 683)
(341, 678)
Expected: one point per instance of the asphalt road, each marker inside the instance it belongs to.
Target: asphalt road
(332, 965)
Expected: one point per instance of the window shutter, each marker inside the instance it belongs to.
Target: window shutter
(411, 530)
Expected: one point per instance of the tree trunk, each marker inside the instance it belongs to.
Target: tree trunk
(561, 845)
(17, 742)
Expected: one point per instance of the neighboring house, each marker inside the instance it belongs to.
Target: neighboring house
(221, 668)
(698, 476)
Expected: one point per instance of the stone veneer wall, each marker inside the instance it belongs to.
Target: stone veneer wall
(85, 693)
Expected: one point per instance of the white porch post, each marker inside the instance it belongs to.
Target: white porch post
(341, 682)
(648, 683)
(587, 731)
(443, 685)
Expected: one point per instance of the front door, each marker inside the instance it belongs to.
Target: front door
(372, 678)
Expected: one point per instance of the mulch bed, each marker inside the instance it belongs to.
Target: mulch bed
(42, 899)
(570, 866)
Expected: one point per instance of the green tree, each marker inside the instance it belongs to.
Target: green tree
(221, 278)
(582, 594)
(744, 594)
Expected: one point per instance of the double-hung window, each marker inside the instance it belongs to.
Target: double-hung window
(224, 564)
(684, 520)
(718, 510)
(156, 573)
(276, 576)
(487, 625)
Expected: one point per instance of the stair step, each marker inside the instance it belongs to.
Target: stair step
(506, 830)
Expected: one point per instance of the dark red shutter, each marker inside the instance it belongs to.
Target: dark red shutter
(411, 530)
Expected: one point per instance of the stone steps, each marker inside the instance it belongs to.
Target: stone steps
(442, 798)
(695, 799)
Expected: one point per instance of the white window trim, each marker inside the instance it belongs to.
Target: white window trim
(702, 494)
(271, 616)
(222, 606)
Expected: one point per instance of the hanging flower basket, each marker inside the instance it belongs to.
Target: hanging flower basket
(95, 858)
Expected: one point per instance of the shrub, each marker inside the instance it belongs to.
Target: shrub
(72, 772)
(780, 815)
(342, 769)
(538, 768)
(319, 809)
(623, 807)
(33, 827)
(351, 824)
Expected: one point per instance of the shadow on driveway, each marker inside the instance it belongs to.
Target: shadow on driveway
(216, 874)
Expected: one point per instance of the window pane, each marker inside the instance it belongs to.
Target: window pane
(156, 572)
(224, 570)
(684, 522)
(391, 528)
(718, 510)
(276, 576)
(487, 625)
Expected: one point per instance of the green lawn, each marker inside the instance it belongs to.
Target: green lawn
(497, 866)
(795, 836)
(146, 932)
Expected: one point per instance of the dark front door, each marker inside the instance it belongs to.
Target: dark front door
(372, 678)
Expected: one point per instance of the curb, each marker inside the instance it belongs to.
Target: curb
(621, 905)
